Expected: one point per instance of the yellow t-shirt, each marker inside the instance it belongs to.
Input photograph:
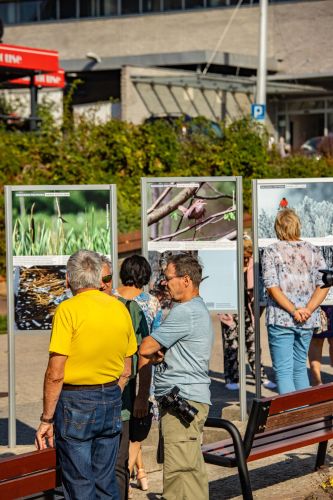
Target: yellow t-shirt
(95, 331)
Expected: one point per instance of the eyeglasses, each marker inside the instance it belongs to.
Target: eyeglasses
(107, 278)
(169, 278)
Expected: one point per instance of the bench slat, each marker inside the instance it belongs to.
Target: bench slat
(281, 447)
(313, 395)
(27, 463)
(291, 444)
(300, 415)
(28, 485)
(274, 439)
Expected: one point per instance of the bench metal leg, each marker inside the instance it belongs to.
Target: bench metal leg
(321, 454)
(239, 452)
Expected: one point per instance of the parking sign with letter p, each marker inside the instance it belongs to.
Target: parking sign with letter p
(258, 111)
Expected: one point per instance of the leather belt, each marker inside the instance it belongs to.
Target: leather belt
(72, 387)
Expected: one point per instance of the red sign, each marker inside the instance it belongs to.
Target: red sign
(26, 58)
(44, 80)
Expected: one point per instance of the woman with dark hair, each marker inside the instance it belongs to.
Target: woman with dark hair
(135, 273)
(292, 279)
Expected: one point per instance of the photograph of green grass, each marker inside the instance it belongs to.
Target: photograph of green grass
(61, 222)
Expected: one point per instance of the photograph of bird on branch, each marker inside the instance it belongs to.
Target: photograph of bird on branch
(192, 211)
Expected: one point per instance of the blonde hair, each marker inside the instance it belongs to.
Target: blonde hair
(248, 249)
(287, 225)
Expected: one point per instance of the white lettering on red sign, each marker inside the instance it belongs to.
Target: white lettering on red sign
(10, 58)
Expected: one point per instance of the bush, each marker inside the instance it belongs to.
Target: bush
(121, 153)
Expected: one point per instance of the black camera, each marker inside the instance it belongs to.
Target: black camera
(327, 277)
(180, 406)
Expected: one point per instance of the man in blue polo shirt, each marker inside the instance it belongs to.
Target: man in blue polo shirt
(187, 338)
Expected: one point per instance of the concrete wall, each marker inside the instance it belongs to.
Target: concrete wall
(299, 34)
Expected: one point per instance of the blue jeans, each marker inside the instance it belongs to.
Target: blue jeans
(87, 429)
(289, 350)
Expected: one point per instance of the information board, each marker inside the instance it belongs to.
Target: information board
(197, 215)
(47, 225)
(312, 200)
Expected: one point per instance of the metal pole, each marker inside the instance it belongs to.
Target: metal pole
(33, 104)
(262, 54)
(114, 234)
(256, 311)
(240, 292)
(10, 321)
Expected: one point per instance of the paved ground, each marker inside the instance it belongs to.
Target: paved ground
(287, 476)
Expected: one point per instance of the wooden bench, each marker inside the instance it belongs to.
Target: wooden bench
(28, 474)
(275, 425)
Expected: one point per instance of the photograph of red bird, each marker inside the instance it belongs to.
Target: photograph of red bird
(196, 211)
(283, 203)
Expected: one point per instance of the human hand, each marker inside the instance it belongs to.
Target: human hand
(44, 436)
(226, 319)
(302, 314)
(141, 406)
(122, 382)
(157, 357)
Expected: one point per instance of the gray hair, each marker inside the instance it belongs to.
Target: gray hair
(107, 262)
(84, 270)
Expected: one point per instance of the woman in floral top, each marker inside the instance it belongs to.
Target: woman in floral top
(135, 273)
(291, 276)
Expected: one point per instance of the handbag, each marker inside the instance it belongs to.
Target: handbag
(323, 322)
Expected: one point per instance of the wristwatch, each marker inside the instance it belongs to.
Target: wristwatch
(46, 420)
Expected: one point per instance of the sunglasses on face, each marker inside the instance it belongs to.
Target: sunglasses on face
(107, 278)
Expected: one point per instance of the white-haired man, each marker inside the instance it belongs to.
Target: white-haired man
(92, 334)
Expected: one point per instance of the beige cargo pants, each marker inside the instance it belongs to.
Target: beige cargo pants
(184, 470)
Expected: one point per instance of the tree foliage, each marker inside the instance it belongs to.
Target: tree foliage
(122, 153)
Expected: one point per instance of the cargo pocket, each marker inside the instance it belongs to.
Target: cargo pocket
(79, 424)
(182, 456)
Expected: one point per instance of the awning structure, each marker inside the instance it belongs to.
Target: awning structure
(24, 61)
(225, 83)
(30, 67)
(55, 80)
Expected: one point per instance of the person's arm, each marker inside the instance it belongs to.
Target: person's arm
(125, 376)
(276, 293)
(141, 401)
(300, 314)
(151, 349)
(317, 298)
(53, 381)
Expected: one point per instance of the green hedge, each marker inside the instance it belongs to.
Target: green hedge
(122, 153)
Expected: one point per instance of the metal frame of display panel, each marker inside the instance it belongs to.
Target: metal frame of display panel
(239, 250)
(293, 198)
(9, 190)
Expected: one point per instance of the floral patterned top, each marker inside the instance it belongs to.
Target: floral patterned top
(150, 306)
(293, 266)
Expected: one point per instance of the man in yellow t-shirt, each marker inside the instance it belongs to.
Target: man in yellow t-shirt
(91, 345)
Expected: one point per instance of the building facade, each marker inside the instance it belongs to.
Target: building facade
(137, 58)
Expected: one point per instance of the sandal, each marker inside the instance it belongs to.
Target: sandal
(141, 479)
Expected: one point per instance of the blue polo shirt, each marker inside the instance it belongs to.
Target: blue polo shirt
(187, 333)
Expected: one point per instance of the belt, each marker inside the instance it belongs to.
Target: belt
(72, 387)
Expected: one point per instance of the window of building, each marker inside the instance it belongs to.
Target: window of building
(89, 8)
(28, 11)
(151, 5)
(130, 7)
(216, 3)
(48, 10)
(8, 12)
(108, 7)
(194, 4)
(172, 4)
(67, 9)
